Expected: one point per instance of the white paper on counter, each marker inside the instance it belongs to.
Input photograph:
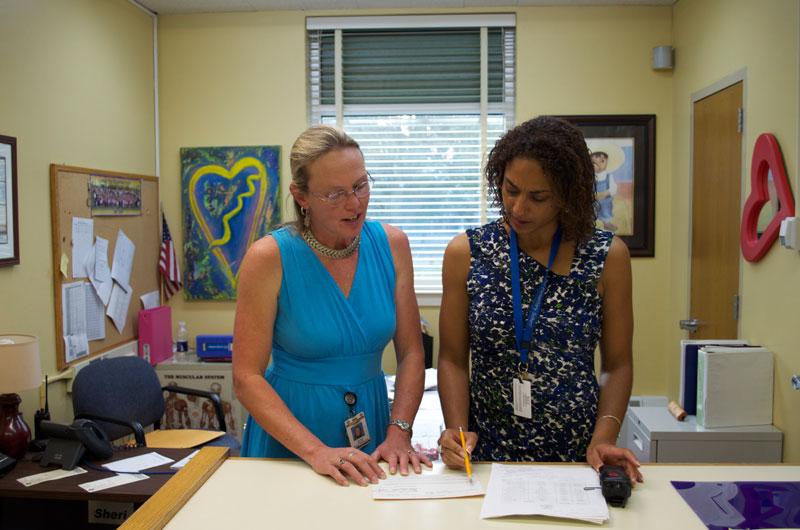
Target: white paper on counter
(427, 486)
(570, 492)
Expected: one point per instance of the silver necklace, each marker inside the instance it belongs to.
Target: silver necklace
(330, 252)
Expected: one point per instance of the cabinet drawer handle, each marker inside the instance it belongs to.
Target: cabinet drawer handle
(637, 442)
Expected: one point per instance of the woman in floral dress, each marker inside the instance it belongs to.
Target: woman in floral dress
(526, 301)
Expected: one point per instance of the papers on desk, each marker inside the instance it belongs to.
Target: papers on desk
(112, 482)
(554, 491)
(182, 462)
(47, 476)
(427, 486)
(138, 463)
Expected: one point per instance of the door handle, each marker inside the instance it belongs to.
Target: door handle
(689, 325)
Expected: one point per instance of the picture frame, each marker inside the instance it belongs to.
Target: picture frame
(625, 175)
(230, 198)
(9, 216)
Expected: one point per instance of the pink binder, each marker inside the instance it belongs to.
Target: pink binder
(155, 334)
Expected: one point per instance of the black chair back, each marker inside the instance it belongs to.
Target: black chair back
(126, 388)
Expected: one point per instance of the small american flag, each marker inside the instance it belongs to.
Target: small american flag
(168, 262)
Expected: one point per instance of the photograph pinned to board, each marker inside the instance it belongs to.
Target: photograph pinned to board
(230, 199)
(115, 196)
(9, 225)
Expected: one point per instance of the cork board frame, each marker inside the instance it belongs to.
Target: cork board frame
(69, 197)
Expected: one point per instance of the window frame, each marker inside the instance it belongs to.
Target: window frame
(318, 112)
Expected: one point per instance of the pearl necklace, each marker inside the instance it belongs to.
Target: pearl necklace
(330, 252)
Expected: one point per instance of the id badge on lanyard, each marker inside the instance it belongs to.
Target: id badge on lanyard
(356, 425)
(521, 385)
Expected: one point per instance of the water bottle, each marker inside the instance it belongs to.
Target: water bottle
(182, 343)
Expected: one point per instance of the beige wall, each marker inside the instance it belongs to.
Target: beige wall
(240, 79)
(597, 61)
(714, 39)
(226, 79)
(77, 89)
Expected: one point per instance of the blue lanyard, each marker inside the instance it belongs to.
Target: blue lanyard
(524, 335)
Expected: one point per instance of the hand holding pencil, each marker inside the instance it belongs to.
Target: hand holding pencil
(466, 456)
(454, 454)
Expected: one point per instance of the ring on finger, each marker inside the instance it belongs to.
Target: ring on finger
(411, 452)
(340, 463)
(351, 454)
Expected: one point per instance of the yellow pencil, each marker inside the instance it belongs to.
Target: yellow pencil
(466, 454)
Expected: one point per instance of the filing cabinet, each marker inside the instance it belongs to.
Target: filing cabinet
(655, 436)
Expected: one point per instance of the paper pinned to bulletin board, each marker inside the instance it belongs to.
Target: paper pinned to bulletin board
(106, 238)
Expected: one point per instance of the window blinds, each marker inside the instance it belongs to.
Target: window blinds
(412, 99)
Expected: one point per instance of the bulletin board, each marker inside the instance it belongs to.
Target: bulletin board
(70, 198)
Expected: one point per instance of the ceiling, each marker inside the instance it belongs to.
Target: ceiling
(172, 7)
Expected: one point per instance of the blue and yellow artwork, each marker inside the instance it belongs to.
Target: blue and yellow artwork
(230, 199)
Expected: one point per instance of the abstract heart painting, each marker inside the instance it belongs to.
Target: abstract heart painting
(230, 199)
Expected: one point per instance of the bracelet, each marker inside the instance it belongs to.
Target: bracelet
(612, 417)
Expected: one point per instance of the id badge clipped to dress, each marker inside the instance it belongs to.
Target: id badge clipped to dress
(521, 386)
(523, 334)
(356, 425)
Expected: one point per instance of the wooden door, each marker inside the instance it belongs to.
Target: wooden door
(716, 214)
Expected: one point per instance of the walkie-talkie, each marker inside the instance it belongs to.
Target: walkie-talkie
(615, 484)
(38, 444)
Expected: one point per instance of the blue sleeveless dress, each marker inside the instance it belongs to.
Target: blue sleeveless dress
(564, 389)
(325, 345)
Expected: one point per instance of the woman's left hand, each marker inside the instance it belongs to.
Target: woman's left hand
(397, 451)
(608, 453)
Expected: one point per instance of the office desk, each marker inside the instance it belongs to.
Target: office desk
(62, 504)
(250, 493)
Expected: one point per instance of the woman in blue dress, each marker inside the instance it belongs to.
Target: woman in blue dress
(322, 298)
(526, 300)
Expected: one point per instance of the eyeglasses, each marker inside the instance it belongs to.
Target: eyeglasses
(360, 190)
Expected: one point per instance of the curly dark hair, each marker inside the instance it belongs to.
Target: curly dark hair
(561, 150)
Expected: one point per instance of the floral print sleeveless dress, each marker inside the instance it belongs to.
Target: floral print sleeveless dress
(561, 360)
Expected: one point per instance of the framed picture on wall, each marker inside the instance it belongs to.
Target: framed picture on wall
(622, 148)
(9, 227)
(230, 199)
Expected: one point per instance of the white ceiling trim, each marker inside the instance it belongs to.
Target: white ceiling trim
(413, 21)
(175, 7)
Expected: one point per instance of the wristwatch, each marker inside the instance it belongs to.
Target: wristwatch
(403, 426)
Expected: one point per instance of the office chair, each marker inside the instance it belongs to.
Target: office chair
(124, 396)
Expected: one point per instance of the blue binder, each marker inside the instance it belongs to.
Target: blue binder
(689, 397)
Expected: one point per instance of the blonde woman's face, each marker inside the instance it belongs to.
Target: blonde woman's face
(334, 182)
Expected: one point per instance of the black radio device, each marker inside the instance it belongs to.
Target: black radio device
(615, 484)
